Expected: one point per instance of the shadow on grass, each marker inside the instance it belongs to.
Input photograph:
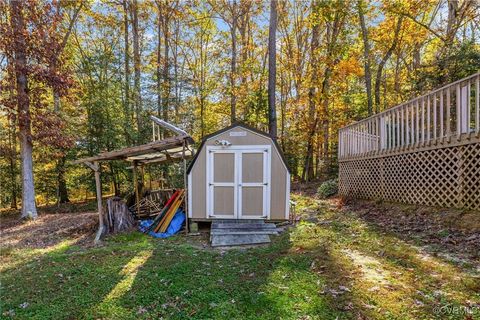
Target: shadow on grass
(62, 282)
(343, 269)
(179, 281)
(391, 277)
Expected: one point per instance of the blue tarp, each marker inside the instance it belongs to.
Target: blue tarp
(175, 225)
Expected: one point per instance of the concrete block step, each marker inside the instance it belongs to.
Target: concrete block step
(242, 231)
(257, 221)
(235, 240)
(243, 226)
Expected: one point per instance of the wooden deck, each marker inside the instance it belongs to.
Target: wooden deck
(424, 151)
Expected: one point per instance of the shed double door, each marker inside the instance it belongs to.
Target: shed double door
(238, 182)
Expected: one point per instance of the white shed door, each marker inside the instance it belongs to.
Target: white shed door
(238, 182)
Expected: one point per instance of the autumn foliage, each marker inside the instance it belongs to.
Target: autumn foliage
(97, 70)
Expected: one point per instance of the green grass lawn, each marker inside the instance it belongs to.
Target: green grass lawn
(338, 268)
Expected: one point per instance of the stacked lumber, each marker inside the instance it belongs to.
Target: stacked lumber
(166, 214)
(151, 203)
(117, 216)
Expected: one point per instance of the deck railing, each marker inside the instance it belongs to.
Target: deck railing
(445, 116)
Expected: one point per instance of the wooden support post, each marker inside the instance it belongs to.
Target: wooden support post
(142, 175)
(135, 185)
(185, 198)
(449, 120)
(417, 116)
(477, 106)
(442, 132)
(150, 178)
(435, 124)
(98, 186)
(429, 123)
(153, 132)
(459, 112)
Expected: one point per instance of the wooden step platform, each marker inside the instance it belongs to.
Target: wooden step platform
(241, 232)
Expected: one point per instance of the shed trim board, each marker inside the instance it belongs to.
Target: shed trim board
(287, 198)
(189, 193)
(245, 127)
(237, 184)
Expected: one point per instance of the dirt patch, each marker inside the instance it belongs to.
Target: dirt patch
(47, 230)
(306, 188)
(446, 230)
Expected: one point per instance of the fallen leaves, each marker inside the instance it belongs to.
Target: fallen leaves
(451, 232)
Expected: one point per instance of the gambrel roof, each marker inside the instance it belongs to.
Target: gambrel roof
(246, 127)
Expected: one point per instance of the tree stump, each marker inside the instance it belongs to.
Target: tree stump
(117, 217)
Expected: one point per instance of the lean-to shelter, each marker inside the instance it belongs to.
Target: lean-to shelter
(174, 148)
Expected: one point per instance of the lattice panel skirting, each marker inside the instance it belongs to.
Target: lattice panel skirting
(447, 177)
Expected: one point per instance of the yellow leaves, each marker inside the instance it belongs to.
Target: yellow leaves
(348, 67)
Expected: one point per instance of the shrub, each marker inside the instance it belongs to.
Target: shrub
(328, 189)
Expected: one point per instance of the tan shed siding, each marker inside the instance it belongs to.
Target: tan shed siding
(199, 181)
(278, 187)
(278, 174)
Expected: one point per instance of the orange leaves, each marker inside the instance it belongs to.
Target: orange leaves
(349, 67)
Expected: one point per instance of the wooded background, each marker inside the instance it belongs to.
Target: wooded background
(81, 77)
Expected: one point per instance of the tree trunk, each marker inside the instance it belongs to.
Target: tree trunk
(203, 66)
(136, 66)
(126, 102)
(397, 82)
(166, 64)
(62, 184)
(308, 173)
(175, 69)
(159, 60)
(243, 27)
(29, 209)
(283, 105)
(116, 189)
(202, 115)
(13, 163)
(455, 18)
(326, 120)
(233, 67)
(378, 79)
(272, 70)
(56, 100)
(366, 57)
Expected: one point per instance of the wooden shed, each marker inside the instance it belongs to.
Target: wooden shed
(238, 172)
